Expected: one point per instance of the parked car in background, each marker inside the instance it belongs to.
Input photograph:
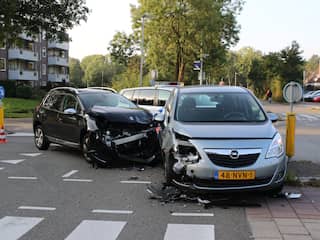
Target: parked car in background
(151, 98)
(221, 139)
(312, 96)
(104, 125)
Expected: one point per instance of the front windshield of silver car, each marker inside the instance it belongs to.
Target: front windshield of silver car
(218, 107)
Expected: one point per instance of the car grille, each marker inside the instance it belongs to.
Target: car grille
(227, 161)
(231, 183)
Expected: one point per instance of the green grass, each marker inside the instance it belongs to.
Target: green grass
(19, 107)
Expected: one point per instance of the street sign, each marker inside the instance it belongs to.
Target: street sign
(292, 92)
(1, 92)
(196, 65)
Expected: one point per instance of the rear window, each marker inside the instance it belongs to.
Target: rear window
(218, 107)
(163, 96)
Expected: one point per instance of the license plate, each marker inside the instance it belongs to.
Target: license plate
(235, 175)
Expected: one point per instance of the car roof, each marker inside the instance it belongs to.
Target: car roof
(79, 90)
(165, 87)
(215, 89)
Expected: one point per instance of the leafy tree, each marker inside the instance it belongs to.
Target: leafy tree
(122, 48)
(312, 67)
(292, 64)
(76, 73)
(178, 31)
(54, 17)
(98, 70)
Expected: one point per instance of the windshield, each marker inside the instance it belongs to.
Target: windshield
(106, 99)
(218, 107)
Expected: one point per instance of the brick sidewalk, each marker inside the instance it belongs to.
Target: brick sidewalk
(287, 219)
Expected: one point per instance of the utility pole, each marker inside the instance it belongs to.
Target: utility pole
(235, 78)
(201, 67)
(102, 78)
(142, 50)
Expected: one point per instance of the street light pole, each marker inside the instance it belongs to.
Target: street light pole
(142, 50)
(235, 78)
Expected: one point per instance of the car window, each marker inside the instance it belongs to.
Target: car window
(128, 94)
(218, 107)
(105, 99)
(163, 96)
(70, 102)
(146, 97)
(53, 102)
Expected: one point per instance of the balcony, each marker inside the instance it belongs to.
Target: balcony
(29, 38)
(53, 77)
(25, 75)
(17, 53)
(58, 61)
(59, 45)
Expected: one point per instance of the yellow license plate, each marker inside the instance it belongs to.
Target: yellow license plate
(236, 175)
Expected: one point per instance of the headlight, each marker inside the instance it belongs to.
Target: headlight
(276, 147)
(187, 154)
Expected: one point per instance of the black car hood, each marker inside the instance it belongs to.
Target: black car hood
(115, 116)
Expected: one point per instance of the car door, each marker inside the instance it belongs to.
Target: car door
(49, 114)
(70, 123)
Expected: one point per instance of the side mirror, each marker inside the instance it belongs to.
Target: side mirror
(273, 117)
(159, 117)
(70, 111)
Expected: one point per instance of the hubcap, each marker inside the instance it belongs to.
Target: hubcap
(39, 137)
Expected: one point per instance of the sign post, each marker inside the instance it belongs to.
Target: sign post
(292, 93)
(2, 132)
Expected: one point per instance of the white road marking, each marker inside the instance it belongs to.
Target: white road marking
(23, 178)
(192, 214)
(68, 174)
(16, 161)
(96, 230)
(1, 168)
(36, 208)
(136, 182)
(112, 211)
(21, 134)
(309, 117)
(189, 232)
(12, 228)
(77, 180)
(30, 154)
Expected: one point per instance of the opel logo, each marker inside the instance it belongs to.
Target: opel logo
(234, 154)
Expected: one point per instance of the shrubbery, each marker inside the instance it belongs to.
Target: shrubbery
(24, 91)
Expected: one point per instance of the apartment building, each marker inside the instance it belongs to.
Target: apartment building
(36, 61)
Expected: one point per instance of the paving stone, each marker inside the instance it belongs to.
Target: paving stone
(288, 222)
(298, 230)
(264, 229)
(296, 237)
(314, 229)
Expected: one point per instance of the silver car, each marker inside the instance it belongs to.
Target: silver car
(220, 138)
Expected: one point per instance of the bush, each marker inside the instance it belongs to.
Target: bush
(24, 91)
(38, 93)
(9, 87)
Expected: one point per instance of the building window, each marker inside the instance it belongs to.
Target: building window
(44, 69)
(44, 52)
(2, 64)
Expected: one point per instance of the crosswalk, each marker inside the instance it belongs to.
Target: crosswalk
(14, 227)
(302, 117)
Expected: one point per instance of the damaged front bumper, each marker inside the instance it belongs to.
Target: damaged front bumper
(142, 146)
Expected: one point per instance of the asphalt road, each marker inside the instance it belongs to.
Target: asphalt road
(69, 198)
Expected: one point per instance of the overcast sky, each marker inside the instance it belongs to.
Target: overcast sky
(266, 25)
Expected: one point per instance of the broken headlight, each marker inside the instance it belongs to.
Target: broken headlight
(186, 153)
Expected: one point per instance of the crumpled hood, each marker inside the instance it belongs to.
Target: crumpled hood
(116, 115)
(226, 130)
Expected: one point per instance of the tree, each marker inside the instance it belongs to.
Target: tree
(54, 17)
(178, 31)
(76, 73)
(122, 48)
(292, 64)
(312, 67)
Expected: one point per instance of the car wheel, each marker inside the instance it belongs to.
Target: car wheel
(276, 190)
(40, 139)
(168, 169)
(86, 148)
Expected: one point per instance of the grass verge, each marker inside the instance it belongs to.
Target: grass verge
(19, 107)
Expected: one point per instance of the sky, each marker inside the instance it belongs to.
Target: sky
(266, 25)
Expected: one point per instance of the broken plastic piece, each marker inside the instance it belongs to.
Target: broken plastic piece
(290, 195)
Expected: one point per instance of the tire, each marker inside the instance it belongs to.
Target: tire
(168, 169)
(275, 191)
(40, 139)
(85, 147)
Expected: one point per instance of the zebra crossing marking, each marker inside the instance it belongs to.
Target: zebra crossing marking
(189, 232)
(136, 182)
(97, 230)
(12, 228)
(23, 178)
(12, 161)
(68, 174)
(183, 214)
(76, 180)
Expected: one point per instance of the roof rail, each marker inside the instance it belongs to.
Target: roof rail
(70, 89)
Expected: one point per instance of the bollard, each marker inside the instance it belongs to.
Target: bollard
(2, 132)
(290, 136)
